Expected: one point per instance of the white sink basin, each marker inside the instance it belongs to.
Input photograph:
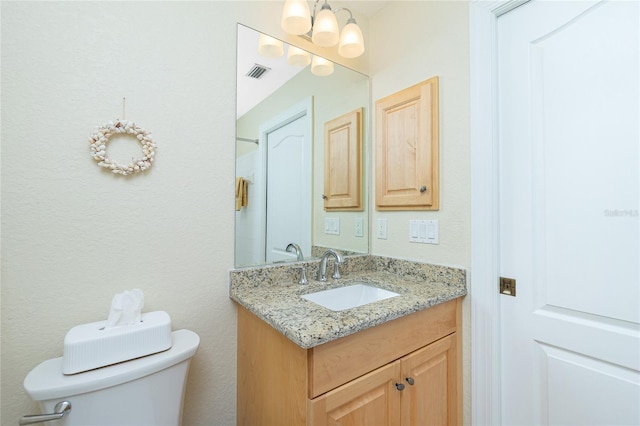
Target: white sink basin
(341, 298)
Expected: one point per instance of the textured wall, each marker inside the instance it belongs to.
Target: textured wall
(412, 41)
(434, 36)
(73, 234)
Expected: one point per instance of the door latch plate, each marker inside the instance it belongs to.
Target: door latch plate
(508, 286)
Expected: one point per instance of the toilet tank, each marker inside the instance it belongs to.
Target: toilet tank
(146, 391)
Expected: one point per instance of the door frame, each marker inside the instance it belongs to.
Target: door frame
(486, 372)
(302, 108)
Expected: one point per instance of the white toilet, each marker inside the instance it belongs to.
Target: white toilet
(147, 391)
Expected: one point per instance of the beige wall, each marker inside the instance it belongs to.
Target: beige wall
(73, 235)
(411, 41)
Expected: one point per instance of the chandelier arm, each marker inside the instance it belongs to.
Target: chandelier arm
(313, 14)
(313, 17)
(351, 18)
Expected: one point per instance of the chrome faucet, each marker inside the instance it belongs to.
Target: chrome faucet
(293, 247)
(322, 269)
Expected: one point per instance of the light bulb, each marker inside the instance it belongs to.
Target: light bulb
(270, 47)
(321, 66)
(325, 28)
(298, 57)
(351, 40)
(296, 18)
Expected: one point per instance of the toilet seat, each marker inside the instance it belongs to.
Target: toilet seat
(46, 381)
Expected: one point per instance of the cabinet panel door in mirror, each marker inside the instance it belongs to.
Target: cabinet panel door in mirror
(407, 149)
(343, 162)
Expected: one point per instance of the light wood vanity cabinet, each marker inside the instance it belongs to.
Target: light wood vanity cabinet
(416, 390)
(355, 380)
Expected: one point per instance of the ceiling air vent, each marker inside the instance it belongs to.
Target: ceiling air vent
(257, 71)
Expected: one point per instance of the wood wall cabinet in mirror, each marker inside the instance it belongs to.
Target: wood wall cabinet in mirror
(407, 168)
(343, 162)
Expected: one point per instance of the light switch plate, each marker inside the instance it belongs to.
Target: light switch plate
(424, 231)
(332, 225)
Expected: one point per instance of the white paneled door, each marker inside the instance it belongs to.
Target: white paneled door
(569, 136)
(287, 143)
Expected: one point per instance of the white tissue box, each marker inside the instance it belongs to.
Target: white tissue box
(90, 346)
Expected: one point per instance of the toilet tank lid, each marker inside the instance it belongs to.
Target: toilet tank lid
(46, 381)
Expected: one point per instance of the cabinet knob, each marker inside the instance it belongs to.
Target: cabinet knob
(410, 380)
(324, 197)
(399, 386)
(423, 188)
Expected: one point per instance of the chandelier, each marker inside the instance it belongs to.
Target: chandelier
(322, 27)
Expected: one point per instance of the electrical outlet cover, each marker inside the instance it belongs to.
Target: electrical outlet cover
(381, 229)
(359, 227)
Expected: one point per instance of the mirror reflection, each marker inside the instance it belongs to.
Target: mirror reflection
(280, 153)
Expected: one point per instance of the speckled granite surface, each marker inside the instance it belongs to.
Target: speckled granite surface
(273, 294)
(318, 251)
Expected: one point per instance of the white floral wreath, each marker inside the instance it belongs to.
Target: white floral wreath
(101, 135)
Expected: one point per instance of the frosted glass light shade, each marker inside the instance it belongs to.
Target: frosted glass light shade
(298, 57)
(321, 66)
(296, 18)
(325, 29)
(351, 41)
(270, 47)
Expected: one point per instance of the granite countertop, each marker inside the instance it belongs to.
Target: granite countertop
(273, 294)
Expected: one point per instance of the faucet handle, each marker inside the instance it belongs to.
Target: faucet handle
(303, 276)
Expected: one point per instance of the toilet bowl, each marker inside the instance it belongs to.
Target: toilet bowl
(147, 391)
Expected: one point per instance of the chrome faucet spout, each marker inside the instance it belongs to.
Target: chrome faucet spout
(293, 247)
(322, 269)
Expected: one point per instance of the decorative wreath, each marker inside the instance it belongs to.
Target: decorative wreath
(101, 135)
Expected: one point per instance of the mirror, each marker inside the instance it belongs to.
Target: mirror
(280, 125)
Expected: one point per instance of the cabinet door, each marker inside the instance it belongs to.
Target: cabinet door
(407, 149)
(372, 399)
(432, 398)
(343, 162)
